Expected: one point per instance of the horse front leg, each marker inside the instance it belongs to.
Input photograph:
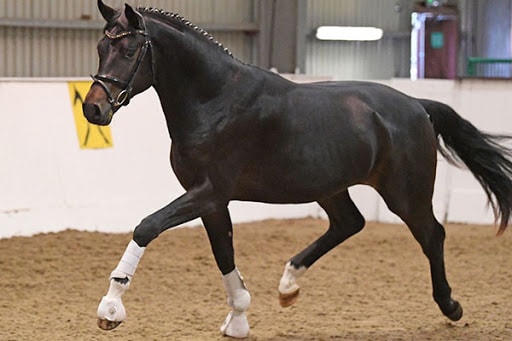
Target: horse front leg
(111, 311)
(193, 204)
(220, 233)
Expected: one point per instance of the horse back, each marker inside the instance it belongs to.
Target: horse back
(324, 137)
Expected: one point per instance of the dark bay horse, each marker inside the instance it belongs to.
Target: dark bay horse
(242, 133)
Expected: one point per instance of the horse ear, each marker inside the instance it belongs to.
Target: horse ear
(135, 19)
(106, 12)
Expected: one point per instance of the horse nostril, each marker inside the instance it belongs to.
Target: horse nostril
(92, 112)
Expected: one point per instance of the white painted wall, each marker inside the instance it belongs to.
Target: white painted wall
(47, 183)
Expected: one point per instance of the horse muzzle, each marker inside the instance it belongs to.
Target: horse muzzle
(97, 114)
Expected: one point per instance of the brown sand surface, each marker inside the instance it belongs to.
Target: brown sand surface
(376, 286)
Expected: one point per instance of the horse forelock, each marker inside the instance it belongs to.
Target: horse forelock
(179, 22)
(117, 24)
(113, 23)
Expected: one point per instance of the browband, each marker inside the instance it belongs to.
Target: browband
(124, 34)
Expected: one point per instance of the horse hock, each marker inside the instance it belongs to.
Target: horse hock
(239, 299)
(111, 311)
(288, 288)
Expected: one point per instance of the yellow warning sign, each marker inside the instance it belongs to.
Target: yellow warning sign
(90, 136)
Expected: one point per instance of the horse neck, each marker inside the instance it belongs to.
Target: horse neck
(188, 68)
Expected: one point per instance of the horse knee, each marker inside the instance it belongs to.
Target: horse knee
(146, 231)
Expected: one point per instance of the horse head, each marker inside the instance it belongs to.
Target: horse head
(125, 66)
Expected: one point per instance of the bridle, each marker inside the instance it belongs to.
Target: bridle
(123, 98)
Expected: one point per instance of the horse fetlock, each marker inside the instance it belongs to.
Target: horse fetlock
(288, 287)
(119, 283)
(452, 309)
(111, 311)
(235, 325)
(239, 297)
(120, 276)
(239, 300)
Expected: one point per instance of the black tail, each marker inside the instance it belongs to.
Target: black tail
(483, 154)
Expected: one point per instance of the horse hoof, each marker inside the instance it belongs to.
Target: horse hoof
(235, 325)
(457, 313)
(286, 300)
(108, 325)
(110, 313)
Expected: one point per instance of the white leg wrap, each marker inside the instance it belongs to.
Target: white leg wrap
(288, 280)
(111, 306)
(128, 263)
(236, 324)
(238, 296)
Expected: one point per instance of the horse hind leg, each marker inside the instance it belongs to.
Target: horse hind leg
(431, 234)
(416, 211)
(345, 220)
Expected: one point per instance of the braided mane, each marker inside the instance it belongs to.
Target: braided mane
(177, 20)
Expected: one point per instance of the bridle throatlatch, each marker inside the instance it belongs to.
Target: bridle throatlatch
(123, 98)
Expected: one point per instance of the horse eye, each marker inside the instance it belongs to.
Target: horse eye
(129, 53)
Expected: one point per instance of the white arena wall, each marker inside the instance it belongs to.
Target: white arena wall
(48, 183)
